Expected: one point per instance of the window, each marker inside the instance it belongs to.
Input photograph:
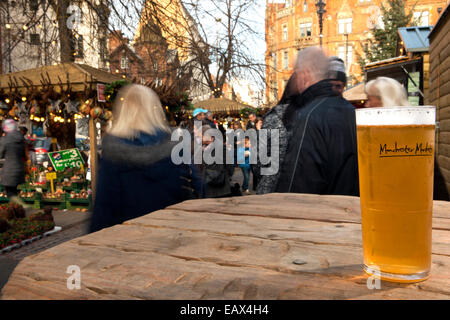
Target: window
(342, 51)
(275, 90)
(34, 39)
(285, 32)
(305, 6)
(288, 3)
(155, 66)
(124, 63)
(274, 60)
(286, 60)
(345, 26)
(142, 80)
(421, 18)
(305, 29)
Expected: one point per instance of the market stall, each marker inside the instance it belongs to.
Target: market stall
(66, 105)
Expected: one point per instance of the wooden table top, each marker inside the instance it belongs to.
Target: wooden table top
(233, 248)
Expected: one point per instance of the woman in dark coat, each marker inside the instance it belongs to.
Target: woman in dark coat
(12, 149)
(136, 174)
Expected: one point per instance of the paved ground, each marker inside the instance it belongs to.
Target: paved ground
(74, 224)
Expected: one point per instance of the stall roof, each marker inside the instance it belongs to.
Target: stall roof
(221, 104)
(415, 39)
(355, 93)
(77, 75)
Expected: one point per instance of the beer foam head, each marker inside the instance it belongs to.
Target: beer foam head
(422, 115)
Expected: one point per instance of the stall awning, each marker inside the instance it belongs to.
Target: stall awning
(221, 105)
(355, 93)
(76, 75)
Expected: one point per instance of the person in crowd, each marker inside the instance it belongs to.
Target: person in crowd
(136, 175)
(12, 149)
(243, 155)
(273, 120)
(385, 92)
(321, 156)
(209, 120)
(199, 114)
(251, 121)
(337, 75)
(254, 167)
(319, 149)
(214, 177)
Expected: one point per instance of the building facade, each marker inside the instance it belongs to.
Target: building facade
(292, 25)
(31, 34)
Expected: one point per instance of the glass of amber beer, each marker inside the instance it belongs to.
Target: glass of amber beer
(396, 165)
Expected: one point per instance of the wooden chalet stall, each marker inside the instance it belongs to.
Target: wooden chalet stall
(439, 95)
(55, 98)
(410, 67)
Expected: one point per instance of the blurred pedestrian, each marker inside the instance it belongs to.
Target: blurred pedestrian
(209, 120)
(337, 75)
(214, 177)
(385, 92)
(136, 175)
(12, 149)
(251, 121)
(321, 154)
(243, 156)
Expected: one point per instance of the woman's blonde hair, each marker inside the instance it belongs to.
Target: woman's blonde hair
(390, 91)
(137, 109)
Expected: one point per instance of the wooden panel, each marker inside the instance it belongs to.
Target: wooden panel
(234, 248)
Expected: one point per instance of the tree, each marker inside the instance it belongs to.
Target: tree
(385, 34)
(212, 37)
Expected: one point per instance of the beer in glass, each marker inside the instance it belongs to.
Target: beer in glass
(396, 165)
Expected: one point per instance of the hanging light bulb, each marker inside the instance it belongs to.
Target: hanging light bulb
(24, 99)
(7, 100)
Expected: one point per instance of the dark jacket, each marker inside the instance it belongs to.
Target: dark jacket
(273, 121)
(321, 156)
(214, 179)
(12, 149)
(136, 177)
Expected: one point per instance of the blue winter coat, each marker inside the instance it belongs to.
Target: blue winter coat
(135, 178)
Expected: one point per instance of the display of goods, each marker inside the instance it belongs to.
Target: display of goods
(4, 225)
(83, 194)
(22, 229)
(26, 194)
(58, 194)
(12, 211)
(43, 216)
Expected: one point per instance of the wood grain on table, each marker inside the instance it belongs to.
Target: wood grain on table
(276, 246)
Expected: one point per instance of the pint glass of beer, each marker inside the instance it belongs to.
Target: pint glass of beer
(396, 165)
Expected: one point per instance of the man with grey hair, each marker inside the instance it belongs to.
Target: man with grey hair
(321, 154)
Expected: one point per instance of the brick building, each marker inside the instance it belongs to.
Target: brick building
(292, 25)
(146, 60)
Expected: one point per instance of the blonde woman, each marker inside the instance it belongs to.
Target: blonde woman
(136, 175)
(385, 92)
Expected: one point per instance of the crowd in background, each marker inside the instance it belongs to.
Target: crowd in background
(317, 145)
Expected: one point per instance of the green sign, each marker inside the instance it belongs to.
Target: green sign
(70, 158)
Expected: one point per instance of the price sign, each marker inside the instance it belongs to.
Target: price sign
(70, 158)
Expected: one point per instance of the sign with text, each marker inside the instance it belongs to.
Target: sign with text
(70, 158)
(101, 92)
